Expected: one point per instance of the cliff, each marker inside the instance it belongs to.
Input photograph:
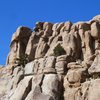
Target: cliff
(58, 61)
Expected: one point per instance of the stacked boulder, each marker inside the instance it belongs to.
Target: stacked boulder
(63, 62)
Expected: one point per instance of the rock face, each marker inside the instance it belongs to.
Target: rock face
(54, 62)
(18, 44)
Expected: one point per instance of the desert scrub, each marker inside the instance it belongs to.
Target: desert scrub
(59, 50)
(22, 60)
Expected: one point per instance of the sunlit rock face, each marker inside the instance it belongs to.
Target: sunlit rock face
(55, 61)
(18, 44)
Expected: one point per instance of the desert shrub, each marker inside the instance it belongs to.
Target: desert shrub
(22, 60)
(59, 50)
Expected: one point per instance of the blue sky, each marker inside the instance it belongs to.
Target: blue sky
(14, 13)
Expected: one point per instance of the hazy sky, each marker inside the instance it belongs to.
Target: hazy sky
(14, 13)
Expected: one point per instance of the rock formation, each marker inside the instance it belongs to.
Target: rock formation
(62, 62)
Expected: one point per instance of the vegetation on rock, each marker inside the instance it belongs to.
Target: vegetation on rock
(22, 60)
(58, 50)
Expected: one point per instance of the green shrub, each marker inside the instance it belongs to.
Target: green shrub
(22, 60)
(58, 50)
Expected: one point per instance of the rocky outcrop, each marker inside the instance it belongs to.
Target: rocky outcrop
(18, 44)
(62, 62)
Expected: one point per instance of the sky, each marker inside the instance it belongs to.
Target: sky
(15, 13)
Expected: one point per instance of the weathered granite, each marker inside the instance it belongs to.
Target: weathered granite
(72, 75)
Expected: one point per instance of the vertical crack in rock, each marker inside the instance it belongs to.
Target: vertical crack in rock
(27, 90)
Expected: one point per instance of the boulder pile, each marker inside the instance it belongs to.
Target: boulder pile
(58, 61)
